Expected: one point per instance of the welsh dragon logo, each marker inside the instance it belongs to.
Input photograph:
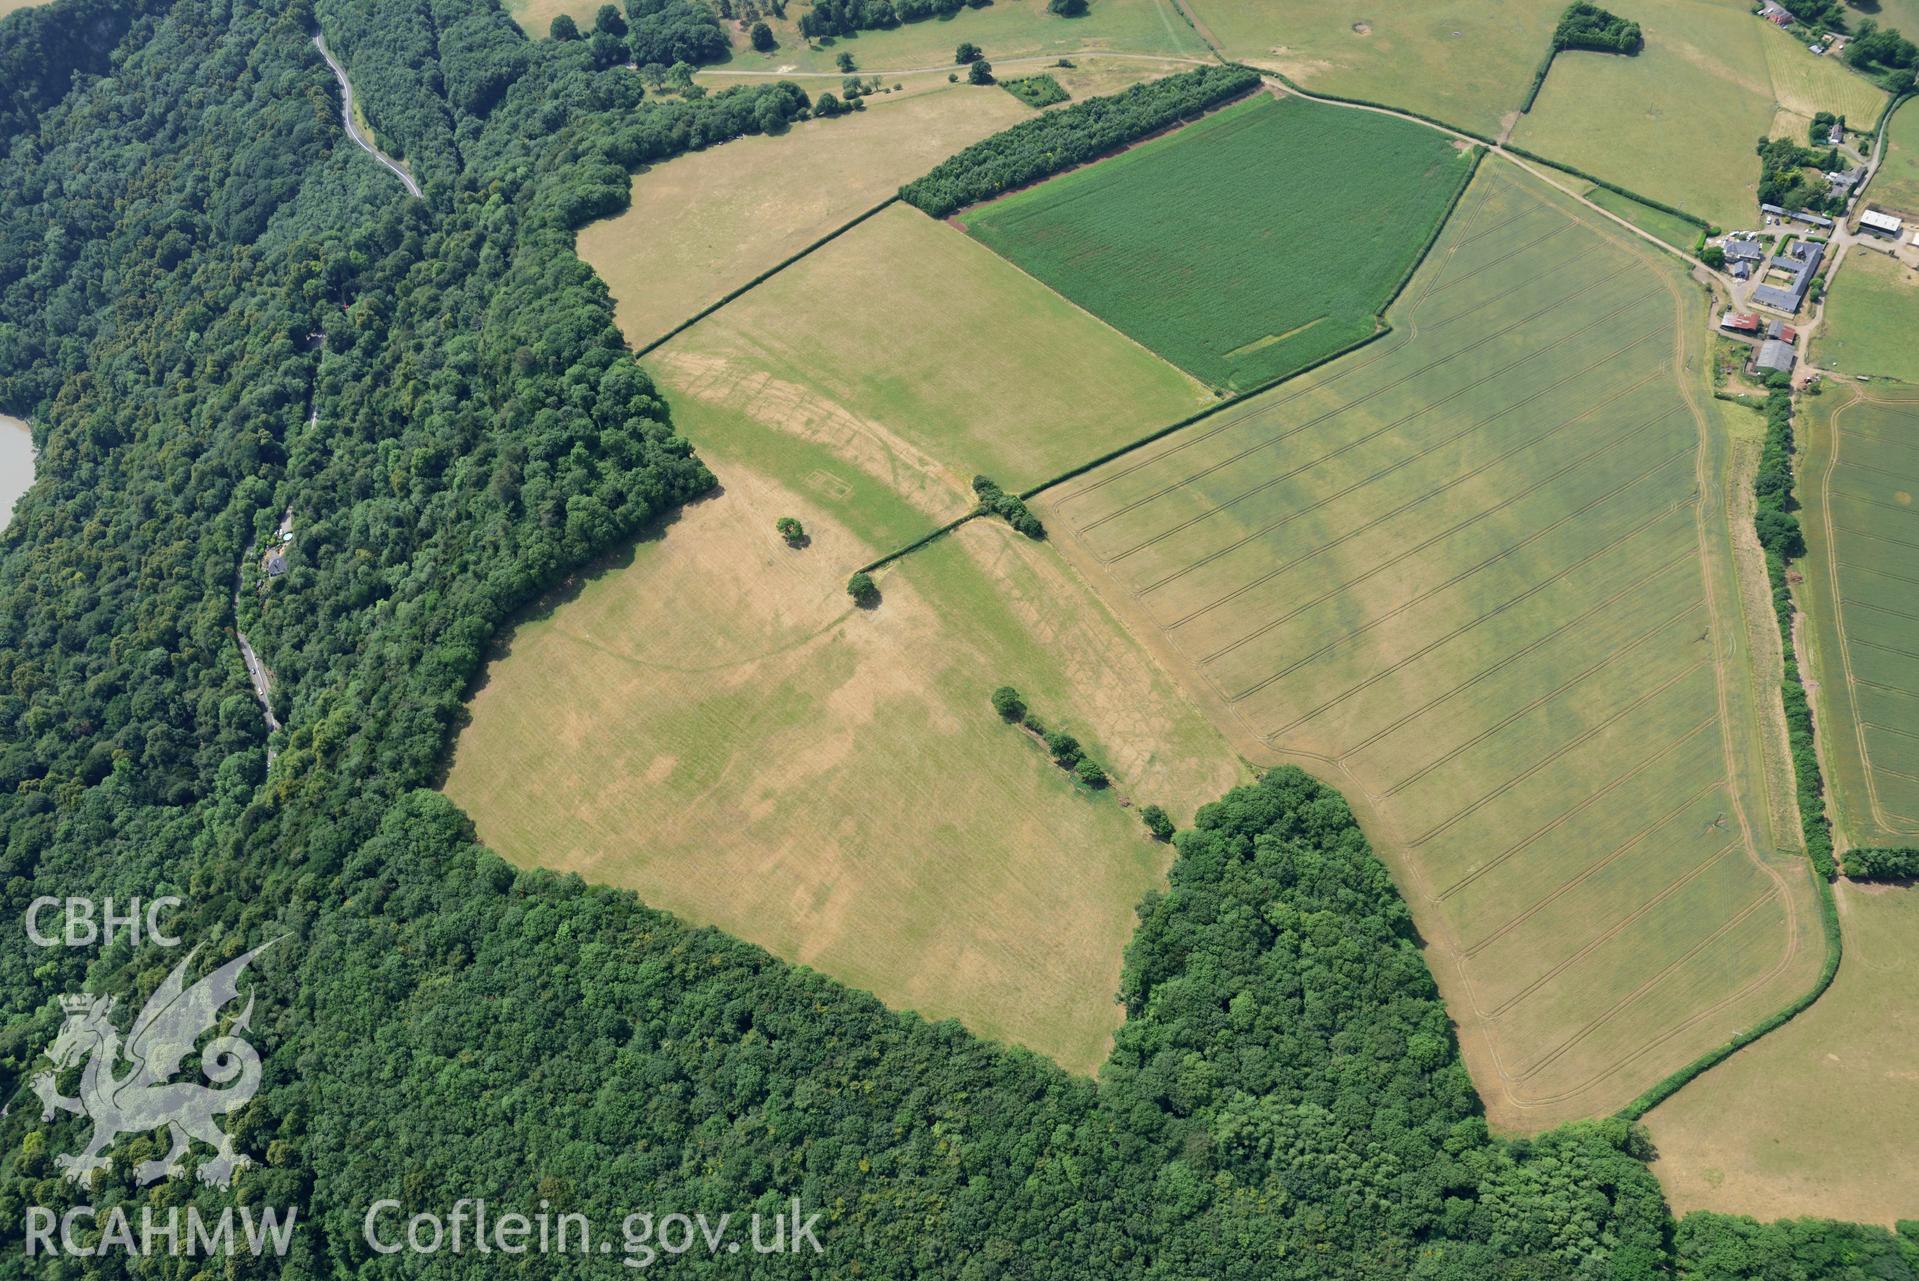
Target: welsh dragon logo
(143, 1098)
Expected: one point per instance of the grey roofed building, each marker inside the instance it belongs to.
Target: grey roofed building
(1801, 258)
(1741, 270)
(276, 565)
(1776, 355)
(1743, 250)
(1812, 219)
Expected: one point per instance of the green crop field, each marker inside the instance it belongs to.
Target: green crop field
(1017, 35)
(1679, 121)
(1896, 185)
(1247, 281)
(714, 726)
(907, 355)
(1467, 62)
(1872, 316)
(1479, 576)
(710, 221)
(1817, 1119)
(1862, 600)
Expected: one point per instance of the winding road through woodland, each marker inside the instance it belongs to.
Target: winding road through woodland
(353, 130)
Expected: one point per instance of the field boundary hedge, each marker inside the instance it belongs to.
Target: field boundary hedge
(1304, 92)
(1539, 80)
(1811, 801)
(1613, 187)
(763, 277)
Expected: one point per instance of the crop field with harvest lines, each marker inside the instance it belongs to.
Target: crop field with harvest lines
(1862, 594)
(1478, 574)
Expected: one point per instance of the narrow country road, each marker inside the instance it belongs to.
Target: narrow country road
(353, 130)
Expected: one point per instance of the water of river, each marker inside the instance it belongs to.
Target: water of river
(16, 464)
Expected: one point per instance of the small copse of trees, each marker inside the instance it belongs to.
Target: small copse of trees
(967, 52)
(980, 73)
(1883, 863)
(1157, 822)
(1587, 26)
(1008, 507)
(791, 530)
(864, 591)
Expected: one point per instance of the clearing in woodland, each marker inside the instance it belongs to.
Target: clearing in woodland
(1679, 121)
(1861, 598)
(1479, 576)
(716, 727)
(707, 222)
(1822, 1116)
(1201, 245)
(1467, 62)
(903, 359)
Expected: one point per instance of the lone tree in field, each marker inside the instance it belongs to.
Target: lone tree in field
(1007, 702)
(1157, 823)
(762, 36)
(1068, 8)
(845, 63)
(967, 52)
(980, 73)
(864, 591)
(791, 530)
(1089, 772)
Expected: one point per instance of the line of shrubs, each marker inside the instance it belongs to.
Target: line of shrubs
(1780, 535)
(1070, 756)
(1059, 140)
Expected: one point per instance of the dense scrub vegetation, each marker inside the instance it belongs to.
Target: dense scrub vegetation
(215, 308)
(1884, 54)
(1793, 177)
(1587, 26)
(1776, 521)
(1882, 863)
(1036, 91)
(1038, 148)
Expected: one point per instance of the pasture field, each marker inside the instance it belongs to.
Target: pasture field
(1250, 282)
(1678, 122)
(905, 358)
(1676, 232)
(1467, 62)
(1861, 598)
(1896, 185)
(1010, 31)
(10, 6)
(1820, 1118)
(708, 222)
(714, 726)
(1871, 313)
(1479, 575)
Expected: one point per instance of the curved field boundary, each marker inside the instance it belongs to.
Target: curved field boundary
(763, 277)
(1828, 908)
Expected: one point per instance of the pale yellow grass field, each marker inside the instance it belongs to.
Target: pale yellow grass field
(715, 727)
(922, 358)
(707, 223)
(1820, 1118)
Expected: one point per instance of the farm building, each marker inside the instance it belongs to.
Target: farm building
(1775, 356)
(1810, 219)
(1740, 322)
(1800, 260)
(1740, 249)
(276, 565)
(1886, 224)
